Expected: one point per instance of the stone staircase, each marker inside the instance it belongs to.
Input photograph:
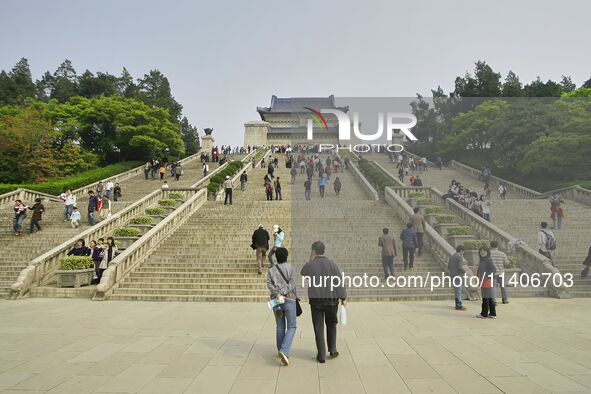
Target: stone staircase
(19, 251)
(521, 218)
(209, 258)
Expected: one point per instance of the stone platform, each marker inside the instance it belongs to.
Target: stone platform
(78, 346)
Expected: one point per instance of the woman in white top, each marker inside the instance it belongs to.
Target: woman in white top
(69, 202)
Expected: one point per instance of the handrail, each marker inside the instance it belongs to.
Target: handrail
(25, 195)
(373, 193)
(440, 248)
(122, 265)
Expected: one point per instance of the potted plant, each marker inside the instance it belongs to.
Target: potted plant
(127, 236)
(413, 196)
(452, 230)
(157, 214)
(471, 249)
(178, 197)
(458, 236)
(431, 211)
(75, 271)
(167, 204)
(511, 266)
(143, 223)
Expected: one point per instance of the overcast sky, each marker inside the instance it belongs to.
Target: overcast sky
(225, 58)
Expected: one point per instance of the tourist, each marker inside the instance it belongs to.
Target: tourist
(503, 191)
(293, 172)
(277, 185)
(546, 241)
(165, 186)
(205, 169)
(178, 171)
(162, 171)
(484, 208)
(409, 244)
(110, 251)
(116, 192)
(243, 180)
(556, 212)
(388, 245)
(80, 249)
(75, 218)
(147, 169)
(105, 211)
(337, 186)
(307, 189)
(109, 188)
(98, 254)
(587, 264)
(401, 174)
(455, 266)
(500, 260)
(92, 207)
(263, 162)
(310, 172)
(20, 213)
(38, 210)
(278, 237)
(228, 187)
(260, 243)
(271, 169)
(324, 300)
(486, 272)
(281, 282)
(321, 185)
(99, 189)
(268, 188)
(69, 202)
(418, 223)
(418, 181)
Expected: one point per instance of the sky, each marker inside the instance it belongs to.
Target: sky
(225, 58)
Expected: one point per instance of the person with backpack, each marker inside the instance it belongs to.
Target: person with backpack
(38, 210)
(546, 241)
(281, 282)
(556, 212)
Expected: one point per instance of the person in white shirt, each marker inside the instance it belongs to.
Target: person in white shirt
(543, 235)
(485, 207)
(69, 202)
(109, 188)
(165, 185)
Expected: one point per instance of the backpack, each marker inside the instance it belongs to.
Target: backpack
(550, 241)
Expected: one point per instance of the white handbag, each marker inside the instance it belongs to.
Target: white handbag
(342, 315)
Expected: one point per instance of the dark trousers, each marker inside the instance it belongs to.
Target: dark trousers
(34, 223)
(228, 194)
(321, 315)
(408, 256)
(420, 239)
(388, 263)
(488, 307)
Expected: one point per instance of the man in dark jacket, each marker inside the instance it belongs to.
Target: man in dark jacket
(92, 206)
(321, 276)
(38, 210)
(409, 243)
(260, 243)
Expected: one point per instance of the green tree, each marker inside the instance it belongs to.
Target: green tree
(190, 137)
(7, 89)
(65, 82)
(125, 85)
(567, 85)
(538, 88)
(512, 86)
(154, 89)
(103, 84)
(23, 82)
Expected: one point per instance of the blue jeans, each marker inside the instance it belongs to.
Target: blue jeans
(557, 221)
(68, 211)
(307, 194)
(91, 218)
(109, 194)
(285, 334)
(18, 223)
(458, 296)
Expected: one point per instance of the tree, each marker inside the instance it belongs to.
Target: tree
(485, 83)
(44, 87)
(103, 84)
(512, 86)
(7, 89)
(540, 89)
(190, 137)
(567, 85)
(23, 82)
(587, 84)
(154, 90)
(65, 82)
(125, 85)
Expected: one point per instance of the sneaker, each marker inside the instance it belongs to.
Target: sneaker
(333, 354)
(284, 359)
(461, 308)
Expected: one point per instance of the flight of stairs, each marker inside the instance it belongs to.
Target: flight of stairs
(209, 258)
(17, 252)
(521, 218)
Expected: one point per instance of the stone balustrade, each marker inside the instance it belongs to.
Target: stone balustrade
(122, 265)
(235, 179)
(371, 191)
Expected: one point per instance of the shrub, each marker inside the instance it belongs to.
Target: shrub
(57, 186)
(476, 244)
(167, 202)
(71, 263)
(155, 211)
(141, 220)
(459, 230)
(374, 175)
(416, 195)
(127, 232)
(215, 183)
(445, 219)
(425, 201)
(432, 209)
(176, 196)
(512, 262)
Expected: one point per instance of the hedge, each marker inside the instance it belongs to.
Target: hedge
(512, 262)
(216, 182)
(167, 202)
(127, 232)
(425, 201)
(416, 195)
(459, 230)
(176, 196)
(476, 244)
(433, 209)
(57, 186)
(445, 219)
(71, 263)
(142, 220)
(155, 211)
(374, 175)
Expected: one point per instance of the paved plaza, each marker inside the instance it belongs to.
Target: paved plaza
(78, 346)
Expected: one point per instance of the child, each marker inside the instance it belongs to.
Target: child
(75, 218)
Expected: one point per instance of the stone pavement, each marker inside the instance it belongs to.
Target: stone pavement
(78, 346)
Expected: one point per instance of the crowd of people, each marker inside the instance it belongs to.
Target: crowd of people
(470, 199)
(101, 253)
